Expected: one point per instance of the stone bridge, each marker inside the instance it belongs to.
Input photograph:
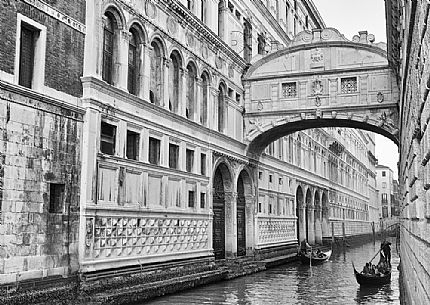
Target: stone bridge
(321, 79)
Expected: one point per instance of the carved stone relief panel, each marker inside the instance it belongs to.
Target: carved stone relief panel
(276, 230)
(116, 237)
(150, 9)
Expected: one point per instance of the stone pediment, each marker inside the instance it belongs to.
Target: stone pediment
(318, 51)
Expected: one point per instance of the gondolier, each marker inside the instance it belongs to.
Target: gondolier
(386, 249)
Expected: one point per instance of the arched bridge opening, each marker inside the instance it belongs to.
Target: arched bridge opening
(321, 80)
(273, 133)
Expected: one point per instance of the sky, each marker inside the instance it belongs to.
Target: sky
(350, 17)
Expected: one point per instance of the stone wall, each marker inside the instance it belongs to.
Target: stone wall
(414, 167)
(39, 186)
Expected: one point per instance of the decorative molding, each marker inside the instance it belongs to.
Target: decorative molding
(56, 14)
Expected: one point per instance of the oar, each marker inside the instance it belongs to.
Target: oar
(375, 255)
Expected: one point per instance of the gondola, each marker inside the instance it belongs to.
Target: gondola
(372, 279)
(306, 256)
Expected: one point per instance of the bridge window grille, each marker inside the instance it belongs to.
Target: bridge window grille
(349, 85)
(289, 90)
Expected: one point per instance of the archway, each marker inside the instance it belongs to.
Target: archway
(300, 224)
(221, 183)
(244, 208)
(310, 236)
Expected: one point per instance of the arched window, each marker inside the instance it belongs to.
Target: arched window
(109, 28)
(299, 151)
(221, 108)
(221, 8)
(191, 91)
(204, 99)
(156, 76)
(174, 81)
(133, 62)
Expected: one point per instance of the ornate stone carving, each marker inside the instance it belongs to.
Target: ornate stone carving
(190, 40)
(230, 71)
(380, 97)
(317, 87)
(276, 230)
(150, 9)
(205, 51)
(260, 106)
(116, 237)
(317, 56)
(219, 62)
(172, 25)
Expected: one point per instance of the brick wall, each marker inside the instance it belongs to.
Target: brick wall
(40, 145)
(65, 45)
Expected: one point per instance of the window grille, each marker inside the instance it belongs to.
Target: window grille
(349, 85)
(289, 90)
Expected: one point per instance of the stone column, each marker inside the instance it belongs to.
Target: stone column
(250, 205)
(230, 224)
(198, 100)
(94, 40)
(182, 104)
(318, 228)
(325, 224)
(165, 98)
(213, 109)
(311, 225)
(302, 223)
(144, 72)
(121, 62)
(224, 17)
(90, 147)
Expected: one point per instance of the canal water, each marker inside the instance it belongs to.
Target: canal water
(330, 283)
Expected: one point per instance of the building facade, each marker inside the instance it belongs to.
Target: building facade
(408, 37)
(385, 187)
(123, 140)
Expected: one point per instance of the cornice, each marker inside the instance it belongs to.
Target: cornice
(207, 34)
(33, 99)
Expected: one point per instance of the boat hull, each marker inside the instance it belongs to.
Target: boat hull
(305, 258)
(372, 280)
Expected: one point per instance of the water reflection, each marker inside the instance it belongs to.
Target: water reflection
(329, 283)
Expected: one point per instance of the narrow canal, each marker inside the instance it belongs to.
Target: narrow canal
(330, 283)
